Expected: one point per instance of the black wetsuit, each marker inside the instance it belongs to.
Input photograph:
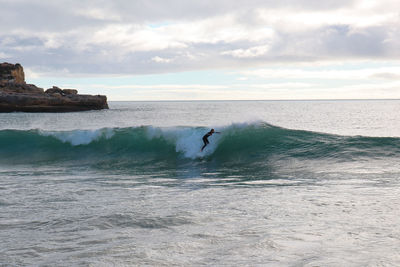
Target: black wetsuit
(205, 139)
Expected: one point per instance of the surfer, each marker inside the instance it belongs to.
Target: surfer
(205, 138)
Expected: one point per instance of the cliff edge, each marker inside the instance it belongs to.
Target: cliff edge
(17, 95)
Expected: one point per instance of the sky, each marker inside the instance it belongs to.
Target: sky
(208, 49)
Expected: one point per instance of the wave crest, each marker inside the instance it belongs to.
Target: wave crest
(245, 142)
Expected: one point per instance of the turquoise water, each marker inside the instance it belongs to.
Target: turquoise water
(308, 183)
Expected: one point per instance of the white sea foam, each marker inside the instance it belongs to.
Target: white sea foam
(80, 137)
(187, 140)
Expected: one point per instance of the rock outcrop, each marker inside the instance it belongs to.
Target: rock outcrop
(17, 95)
(10, 73)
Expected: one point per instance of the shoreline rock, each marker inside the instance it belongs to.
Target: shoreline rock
(17, 95)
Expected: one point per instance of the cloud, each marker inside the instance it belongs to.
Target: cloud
(134, 37)
(3, 55)
(335, 74)
(251, 52)
(387, 75)
(161, 60)
(266, 91)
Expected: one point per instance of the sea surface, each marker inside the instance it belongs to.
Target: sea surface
(285, 183)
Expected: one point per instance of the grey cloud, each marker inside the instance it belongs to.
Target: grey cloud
(326, 43)
(145, 10)
(386, 76)
(44, 16)
(334, 41)
(341, 41)
(13, 41)
(64, 14)
(71, 22)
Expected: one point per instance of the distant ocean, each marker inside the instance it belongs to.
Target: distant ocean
(285, 183)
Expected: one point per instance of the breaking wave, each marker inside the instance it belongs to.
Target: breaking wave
(237, 142)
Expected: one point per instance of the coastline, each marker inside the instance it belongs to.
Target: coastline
(18, 96)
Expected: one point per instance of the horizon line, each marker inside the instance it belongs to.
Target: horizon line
(221, 100)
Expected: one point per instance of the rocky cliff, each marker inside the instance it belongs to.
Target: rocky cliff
(17, 95)
(10, 73)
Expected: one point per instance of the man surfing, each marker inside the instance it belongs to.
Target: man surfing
(205, 138)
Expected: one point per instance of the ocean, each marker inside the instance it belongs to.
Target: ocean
(285, 183)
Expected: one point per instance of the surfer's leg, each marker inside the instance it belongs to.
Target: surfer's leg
(205, 143)
(203, 147)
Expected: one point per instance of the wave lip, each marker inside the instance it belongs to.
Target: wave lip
(80, 137)
(243, 142)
